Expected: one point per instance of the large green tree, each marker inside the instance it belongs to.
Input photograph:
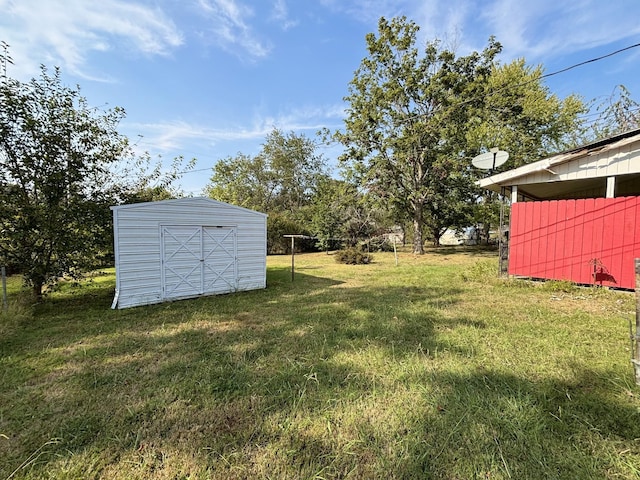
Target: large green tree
(406, 125)
(341, 214)
(281, 180)
(55, 154)
(520, 115)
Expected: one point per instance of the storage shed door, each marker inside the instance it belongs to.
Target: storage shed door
(198, 260)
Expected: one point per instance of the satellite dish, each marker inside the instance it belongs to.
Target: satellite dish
(490, 160)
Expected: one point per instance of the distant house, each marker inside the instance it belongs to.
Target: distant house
(576, 215)
(184, 248)
(468, 236)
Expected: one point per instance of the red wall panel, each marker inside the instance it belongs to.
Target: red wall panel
(576, 239)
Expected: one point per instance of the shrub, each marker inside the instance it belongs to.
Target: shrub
(380, 244)
(353, 256)
(564, 286)
(278, 225)
(481, 271)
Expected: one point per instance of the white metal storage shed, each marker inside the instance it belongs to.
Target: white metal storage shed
(184, 248)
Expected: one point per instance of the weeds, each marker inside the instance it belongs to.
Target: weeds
(410, 371)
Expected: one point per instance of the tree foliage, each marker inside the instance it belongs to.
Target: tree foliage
(55, 153)
(405, 128)
(618, 113)
(281, 181)
(341, 214)
(63, 164)
(521, 116)
(282, 177)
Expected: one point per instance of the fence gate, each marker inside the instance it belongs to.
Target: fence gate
(198, 260)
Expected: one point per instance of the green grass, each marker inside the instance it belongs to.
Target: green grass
(431, 369)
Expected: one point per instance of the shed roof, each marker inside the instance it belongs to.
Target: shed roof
(185, 201)
(575, 172)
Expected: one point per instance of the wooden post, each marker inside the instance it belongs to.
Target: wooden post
(395, 252)
(293, 251)
(635, 354)
(5, 303)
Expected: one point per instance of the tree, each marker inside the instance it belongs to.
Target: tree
(295, 168)
(244, 181)
(55, 154)
(521, 116)
(282, 177)
(405, 127)
(617, 114)
(340, 213)
(281, 181)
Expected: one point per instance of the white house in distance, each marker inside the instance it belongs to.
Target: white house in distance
(185, 248)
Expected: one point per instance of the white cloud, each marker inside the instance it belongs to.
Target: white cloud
(281, 15)
(65, 32)
(229, 26)
(172, 136)
(537, 30)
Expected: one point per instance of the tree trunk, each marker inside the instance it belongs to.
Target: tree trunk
(417, 230)
(483, 236)
(37, 291)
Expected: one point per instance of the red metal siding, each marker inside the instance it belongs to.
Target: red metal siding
(572, 239)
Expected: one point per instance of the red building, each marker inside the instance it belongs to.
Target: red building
(576, 215)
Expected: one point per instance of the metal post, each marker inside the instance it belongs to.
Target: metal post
(635, 353)
(293, 254)
(503, 241)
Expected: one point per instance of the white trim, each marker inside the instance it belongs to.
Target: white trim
(546, 164)
(186, 199)
(116, 258)
(611, 187)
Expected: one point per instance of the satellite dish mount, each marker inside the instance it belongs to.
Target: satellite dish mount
(490, 160)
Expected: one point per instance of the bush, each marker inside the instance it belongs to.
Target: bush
(353, 256)
(556, 286)
(380, 244)
(279, 225)
(481, 271)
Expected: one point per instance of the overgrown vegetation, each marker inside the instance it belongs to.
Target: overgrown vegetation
(431, 369)
(353, 256)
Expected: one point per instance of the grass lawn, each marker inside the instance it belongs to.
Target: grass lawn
(430, 369)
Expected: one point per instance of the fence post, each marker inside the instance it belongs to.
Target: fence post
(5, 302)
(635, 353)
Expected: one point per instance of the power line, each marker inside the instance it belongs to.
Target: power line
(590, 61)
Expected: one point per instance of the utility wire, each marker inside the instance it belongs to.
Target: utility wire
(546, 75)
(591, 60)
(493, 92)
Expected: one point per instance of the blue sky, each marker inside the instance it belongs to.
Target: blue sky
(211, 78)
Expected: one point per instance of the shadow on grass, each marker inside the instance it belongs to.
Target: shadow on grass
(297, 378)
(473, 251)
(499, 425)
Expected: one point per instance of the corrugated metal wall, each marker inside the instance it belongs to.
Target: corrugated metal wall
(138, 244)
(572, 239)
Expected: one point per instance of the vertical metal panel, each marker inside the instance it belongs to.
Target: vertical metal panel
(220, 260)
(568, 239)
(515, 237)
(552, 242)
(570, 242)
